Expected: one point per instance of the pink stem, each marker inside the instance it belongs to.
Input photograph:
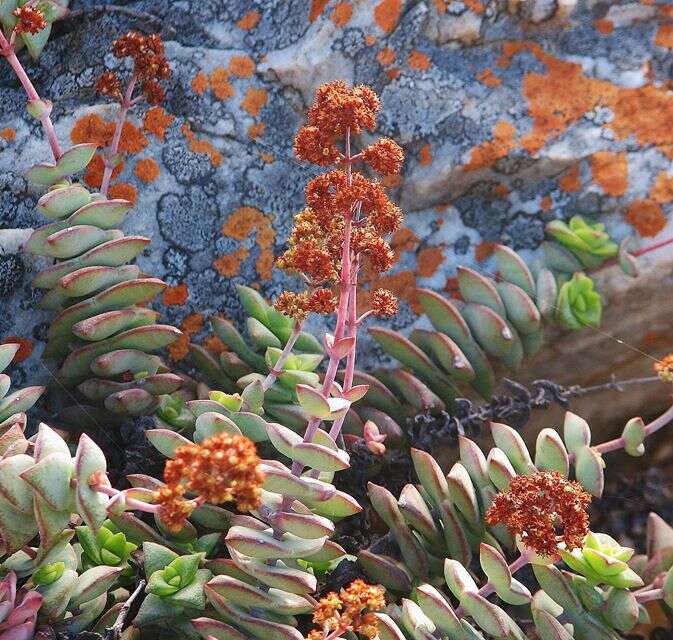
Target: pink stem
(653, 247)
(287, 350)
(649, 596)
(110, 156)
(342, 317)
(489, 588)
(619, 443)
(7, 50)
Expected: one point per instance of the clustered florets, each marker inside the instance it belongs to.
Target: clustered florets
(223, 468)
(664, 368)
(349, 610)
(340, 196)
(149, 66)
(29, 20)
(544, 510)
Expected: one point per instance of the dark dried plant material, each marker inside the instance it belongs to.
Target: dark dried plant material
(352, 609)
(30, 20)
(544, 510)
(223, 468)
(347, 214)
(664, 368)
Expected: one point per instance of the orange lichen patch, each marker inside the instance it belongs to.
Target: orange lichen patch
(229, 264)
(393, 73)
(191, 324)
(488, 152)
(561, 96)
(123, 191)
(370, 40)
(147, 170)
(386, 56)
(429, 260)
(8, 134)
(488, 78)
(662, 190)
(606, 27)
(452, 288)
(94, 171)
(610, 171)
(664, 37)
(243, 222)
(256, 130)
(175, 296)
(391, 181)
(132, 140)
(200, 83)
(654, 337)
(387, 13)
(404, 239)
(545, 203)
(441, 6)
(341, 14)
(425, 155)
(219, 81)
(419, 61)
(249, 20)
(475, 6)
(501, 190)
(570, 182)
(483, 251)
(25, 347)
(254, 101)
(267, 157)
(646, 217)
(214, 345)
(92, 128)
(666, 12)
(317, 7)
(242, 66)
(157, 122)
(402, 284)
(201, 146)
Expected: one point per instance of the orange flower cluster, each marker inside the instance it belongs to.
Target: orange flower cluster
(149, 66)
(340, 199)
(223, 468)
(349, 610)
(30, 20)
(664, 368)
(383, 303)
(544, 510)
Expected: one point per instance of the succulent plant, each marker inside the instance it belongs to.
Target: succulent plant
(439, 525)
(18, 610)
(51, 10)
(504, 319)
(13, 405)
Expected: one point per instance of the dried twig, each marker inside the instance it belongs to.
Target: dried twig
(114, 632)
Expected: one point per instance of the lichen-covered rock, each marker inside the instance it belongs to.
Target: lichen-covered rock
(512, 114)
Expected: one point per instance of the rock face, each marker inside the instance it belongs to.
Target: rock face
(511, 114)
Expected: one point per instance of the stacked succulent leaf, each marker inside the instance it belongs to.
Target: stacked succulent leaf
(103, 328)
(439, 524)
(502, 320)
(275, 553)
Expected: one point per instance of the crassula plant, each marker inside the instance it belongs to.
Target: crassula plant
(237, 538)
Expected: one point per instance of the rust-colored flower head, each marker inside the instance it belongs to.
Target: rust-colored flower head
(338, 107)
(383, 303)
(544, 510)
(384, 156)
(173, 508)
(29, 20)
(664, 368)
(349, 610)
(223, 468)
(149, 66)
(340, 201)
(110, 85)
